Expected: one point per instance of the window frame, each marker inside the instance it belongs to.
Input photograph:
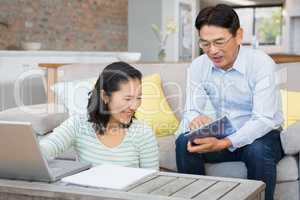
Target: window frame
(254, 7)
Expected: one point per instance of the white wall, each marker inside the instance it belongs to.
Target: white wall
(169, 8)
(141, 14)
(291, 28)
(194, 11)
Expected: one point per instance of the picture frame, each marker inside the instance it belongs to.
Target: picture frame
(185, 32)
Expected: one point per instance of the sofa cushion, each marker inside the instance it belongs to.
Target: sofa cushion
(43, 119)
(287, 168)
(290, 139)
(155, 109)
(226, 169)
(174, 83)
(167, 159)
(287, 191)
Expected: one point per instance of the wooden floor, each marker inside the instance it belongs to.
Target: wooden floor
(160, 186)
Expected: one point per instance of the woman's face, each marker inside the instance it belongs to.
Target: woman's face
(123, 103)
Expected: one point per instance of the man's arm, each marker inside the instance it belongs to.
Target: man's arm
(196, 96)
(266, 107)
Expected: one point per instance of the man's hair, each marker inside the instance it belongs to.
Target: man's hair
(220, 15)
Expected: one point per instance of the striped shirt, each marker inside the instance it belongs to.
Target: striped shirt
(138, 148)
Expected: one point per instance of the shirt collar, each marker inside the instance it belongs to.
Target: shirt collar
(239, 63)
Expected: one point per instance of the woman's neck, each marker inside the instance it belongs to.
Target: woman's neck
(114, 126)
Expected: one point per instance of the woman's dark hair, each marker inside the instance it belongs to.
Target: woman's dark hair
(109, 81)
(220, 15)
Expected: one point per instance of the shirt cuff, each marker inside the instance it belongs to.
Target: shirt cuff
(235, 141)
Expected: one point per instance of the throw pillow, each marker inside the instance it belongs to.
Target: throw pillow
(290, 106)
(74, 94)
(155, 110)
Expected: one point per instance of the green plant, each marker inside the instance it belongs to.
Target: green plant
(162, 36)
(270, 28)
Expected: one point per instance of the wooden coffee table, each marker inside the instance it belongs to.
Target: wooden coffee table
(160, 186)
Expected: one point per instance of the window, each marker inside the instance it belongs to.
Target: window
(262, 25)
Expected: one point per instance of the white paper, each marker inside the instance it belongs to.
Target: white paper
(109, 176)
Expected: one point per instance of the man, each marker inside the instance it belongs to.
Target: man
(240, 83)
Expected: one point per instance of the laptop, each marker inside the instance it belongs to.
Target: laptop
(22, 159)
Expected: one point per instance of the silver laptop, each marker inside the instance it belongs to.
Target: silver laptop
(21, 157)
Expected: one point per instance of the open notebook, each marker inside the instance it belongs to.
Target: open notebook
(109, 176)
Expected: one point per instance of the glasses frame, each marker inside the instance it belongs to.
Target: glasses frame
(216, 43)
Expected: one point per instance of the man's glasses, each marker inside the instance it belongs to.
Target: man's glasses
(219, 43)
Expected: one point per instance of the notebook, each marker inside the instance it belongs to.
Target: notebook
(21, 158)
(109, 176)
(219, 128)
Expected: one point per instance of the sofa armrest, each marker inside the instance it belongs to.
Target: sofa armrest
(290, 139)
(167, 158)
(43, 119)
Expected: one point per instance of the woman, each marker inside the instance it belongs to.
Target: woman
(109, 133)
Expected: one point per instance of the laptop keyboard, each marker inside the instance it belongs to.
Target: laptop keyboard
(56, 167)
(54, 164)
(56, 170)
(64, 167)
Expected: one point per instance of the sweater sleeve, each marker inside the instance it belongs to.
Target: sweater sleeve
(60, 139)
(147, 147)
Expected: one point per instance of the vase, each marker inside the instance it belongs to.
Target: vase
(162, 55)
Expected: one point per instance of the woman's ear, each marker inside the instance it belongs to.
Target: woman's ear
(104, 96)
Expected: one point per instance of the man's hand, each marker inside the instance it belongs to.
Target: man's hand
(209, 144)
(199, 121)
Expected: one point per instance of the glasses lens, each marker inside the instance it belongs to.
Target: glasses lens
(218, 43)
(204, 45)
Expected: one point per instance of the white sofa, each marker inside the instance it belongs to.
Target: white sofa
(287, 187)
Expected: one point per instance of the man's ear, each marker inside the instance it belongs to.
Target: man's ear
(104, 96)
(239, 36)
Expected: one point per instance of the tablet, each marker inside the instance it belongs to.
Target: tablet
(219, 128)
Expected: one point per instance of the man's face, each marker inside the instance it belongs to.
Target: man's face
(220, 45)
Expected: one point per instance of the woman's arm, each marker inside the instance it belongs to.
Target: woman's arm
(148, 148)
(60, 139)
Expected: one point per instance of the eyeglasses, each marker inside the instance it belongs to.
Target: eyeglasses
(219, 43)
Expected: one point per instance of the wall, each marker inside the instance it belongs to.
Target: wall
(90, 25)
(141, 14)
(291, 29)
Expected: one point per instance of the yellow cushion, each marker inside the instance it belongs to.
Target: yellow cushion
(290, 106)
(155, 110)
